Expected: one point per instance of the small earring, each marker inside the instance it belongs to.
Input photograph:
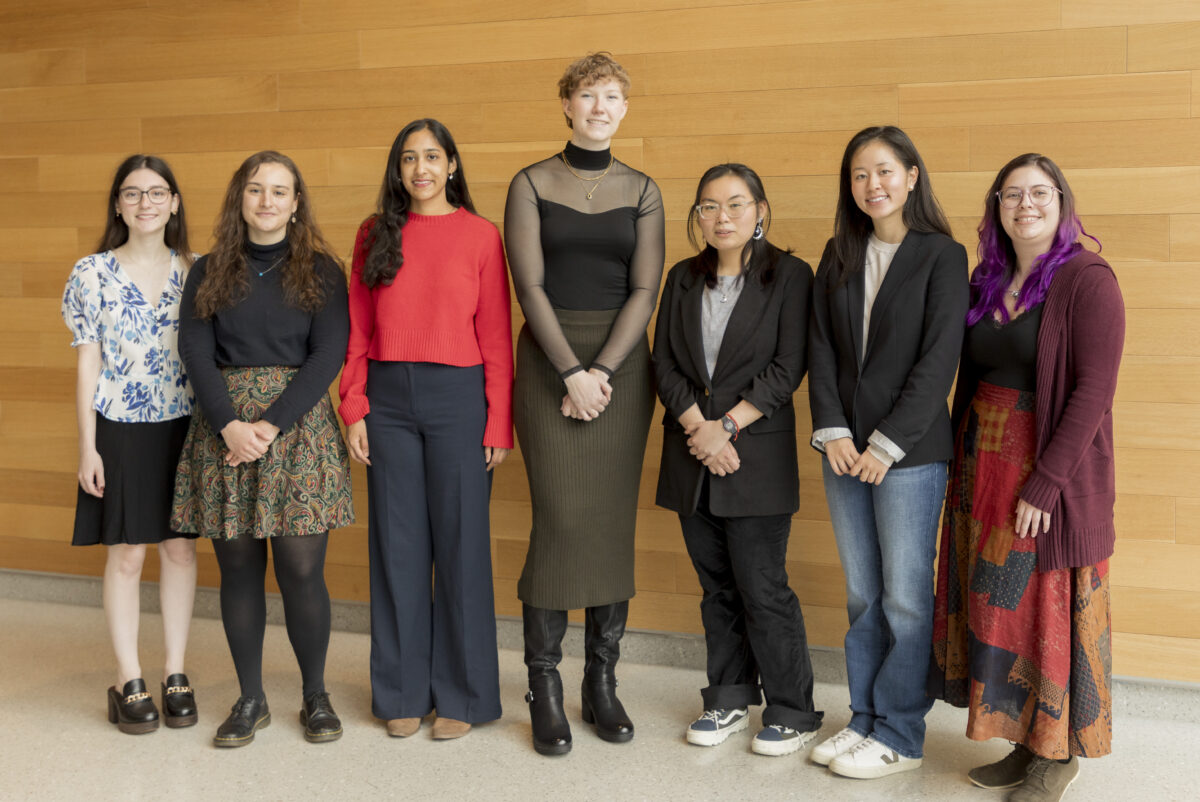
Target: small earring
(293, 217)
(758, 230)
(910, 187)
(451, 178)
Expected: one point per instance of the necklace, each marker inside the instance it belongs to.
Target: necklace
(278, 262)
(589, 192)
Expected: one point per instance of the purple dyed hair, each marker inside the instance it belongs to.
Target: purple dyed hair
(998, 259)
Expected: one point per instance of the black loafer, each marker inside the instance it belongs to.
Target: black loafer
(178, 702)
(132, 710)
(249, 715)
(320, 722)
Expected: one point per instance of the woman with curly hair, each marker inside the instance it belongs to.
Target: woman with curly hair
(264, 330)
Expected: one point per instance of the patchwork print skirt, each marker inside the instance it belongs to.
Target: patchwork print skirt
(1028, 653)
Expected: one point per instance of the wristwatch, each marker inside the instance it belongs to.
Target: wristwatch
(729, 426)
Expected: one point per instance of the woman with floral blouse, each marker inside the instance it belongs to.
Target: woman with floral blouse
(133, 401)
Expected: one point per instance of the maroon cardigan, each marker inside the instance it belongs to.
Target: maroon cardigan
(1078, 354)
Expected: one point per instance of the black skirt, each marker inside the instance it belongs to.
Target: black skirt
(139, 480)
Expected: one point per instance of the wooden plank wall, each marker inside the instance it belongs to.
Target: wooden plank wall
(1108, 88)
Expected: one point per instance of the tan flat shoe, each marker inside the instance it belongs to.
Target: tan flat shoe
(446, 728)
(403, 727)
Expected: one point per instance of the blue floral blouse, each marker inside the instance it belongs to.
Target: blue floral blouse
(141, 374)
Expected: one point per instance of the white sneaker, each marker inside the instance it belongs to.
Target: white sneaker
(776, 739)
(715, 726)
(840, 743)
(870, 760)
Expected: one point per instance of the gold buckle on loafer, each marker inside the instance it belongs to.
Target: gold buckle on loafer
(178, 689)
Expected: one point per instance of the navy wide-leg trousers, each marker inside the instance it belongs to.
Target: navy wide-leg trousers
(433, 621)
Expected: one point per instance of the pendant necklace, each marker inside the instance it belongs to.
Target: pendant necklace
(589, 192)
(277, 263)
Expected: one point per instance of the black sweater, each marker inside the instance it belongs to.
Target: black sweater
(263, 330)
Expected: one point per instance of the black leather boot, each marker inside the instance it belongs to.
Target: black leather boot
(249, 715)
(544, 631)
(602, 642)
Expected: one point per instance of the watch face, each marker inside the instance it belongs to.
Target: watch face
(728, 425)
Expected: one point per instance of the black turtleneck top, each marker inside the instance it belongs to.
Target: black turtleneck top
(262, 329)
(569, 251)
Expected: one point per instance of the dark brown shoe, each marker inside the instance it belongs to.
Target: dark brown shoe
(132, 710)
(178, 702)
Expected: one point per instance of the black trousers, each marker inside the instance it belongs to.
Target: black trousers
(752, 621)
(433, 619)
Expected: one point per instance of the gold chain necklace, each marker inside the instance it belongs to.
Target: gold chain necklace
(589, 192)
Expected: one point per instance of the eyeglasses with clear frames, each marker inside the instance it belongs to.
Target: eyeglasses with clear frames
(735, 210)
(1039, 195)
(132, 196)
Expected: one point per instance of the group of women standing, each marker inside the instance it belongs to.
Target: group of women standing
(262, 324)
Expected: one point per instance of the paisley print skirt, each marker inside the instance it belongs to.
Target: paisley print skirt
(301, 486)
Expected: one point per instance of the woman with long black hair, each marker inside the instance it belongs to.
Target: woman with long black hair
(887, 325)
(427, 398)
(264, 328)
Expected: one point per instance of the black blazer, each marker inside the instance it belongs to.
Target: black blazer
(917, 321)
(761, 359)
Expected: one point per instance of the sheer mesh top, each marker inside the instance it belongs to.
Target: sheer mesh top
(567, 251)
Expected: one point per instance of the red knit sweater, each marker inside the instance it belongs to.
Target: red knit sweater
(448, 304)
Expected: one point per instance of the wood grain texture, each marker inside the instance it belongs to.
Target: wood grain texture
(1109, 89)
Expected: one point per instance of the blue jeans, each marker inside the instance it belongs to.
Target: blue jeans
(887, 539)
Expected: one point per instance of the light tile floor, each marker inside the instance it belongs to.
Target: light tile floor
(55, 664)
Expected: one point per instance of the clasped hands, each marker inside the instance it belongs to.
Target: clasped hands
(247, 441)
(588, 393)
(710, 443)
(844, 459)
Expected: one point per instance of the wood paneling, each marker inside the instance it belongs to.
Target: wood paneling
(1039, 100)
(41, 68)
(1109, 89)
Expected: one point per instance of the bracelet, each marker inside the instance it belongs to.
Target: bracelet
(570, 372)
(731, 426)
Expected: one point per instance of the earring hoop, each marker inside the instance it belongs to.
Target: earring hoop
(758, 229)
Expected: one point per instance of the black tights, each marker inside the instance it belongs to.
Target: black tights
(300, 572)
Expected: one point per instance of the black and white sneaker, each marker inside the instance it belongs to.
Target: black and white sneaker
(776, 739)
(715, 726)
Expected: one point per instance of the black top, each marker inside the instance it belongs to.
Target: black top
(263, 330)
(1005, 354)
(567, 251)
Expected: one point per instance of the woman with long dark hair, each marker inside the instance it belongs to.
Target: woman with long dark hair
(427, 398)
(886, 329)
(1022, 631)
(584, 234)
(133, 404)
(264, 329)
(729, 351)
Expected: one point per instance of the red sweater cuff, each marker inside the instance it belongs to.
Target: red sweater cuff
(497, 433)
(353, 409)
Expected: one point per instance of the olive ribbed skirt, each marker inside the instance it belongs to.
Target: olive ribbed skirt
(583, 475)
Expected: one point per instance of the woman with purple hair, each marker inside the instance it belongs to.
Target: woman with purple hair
(1022, 630)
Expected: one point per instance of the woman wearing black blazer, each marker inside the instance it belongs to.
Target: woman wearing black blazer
(729, 351)
(884, 339)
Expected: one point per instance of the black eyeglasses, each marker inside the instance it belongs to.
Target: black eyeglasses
(132, 196)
